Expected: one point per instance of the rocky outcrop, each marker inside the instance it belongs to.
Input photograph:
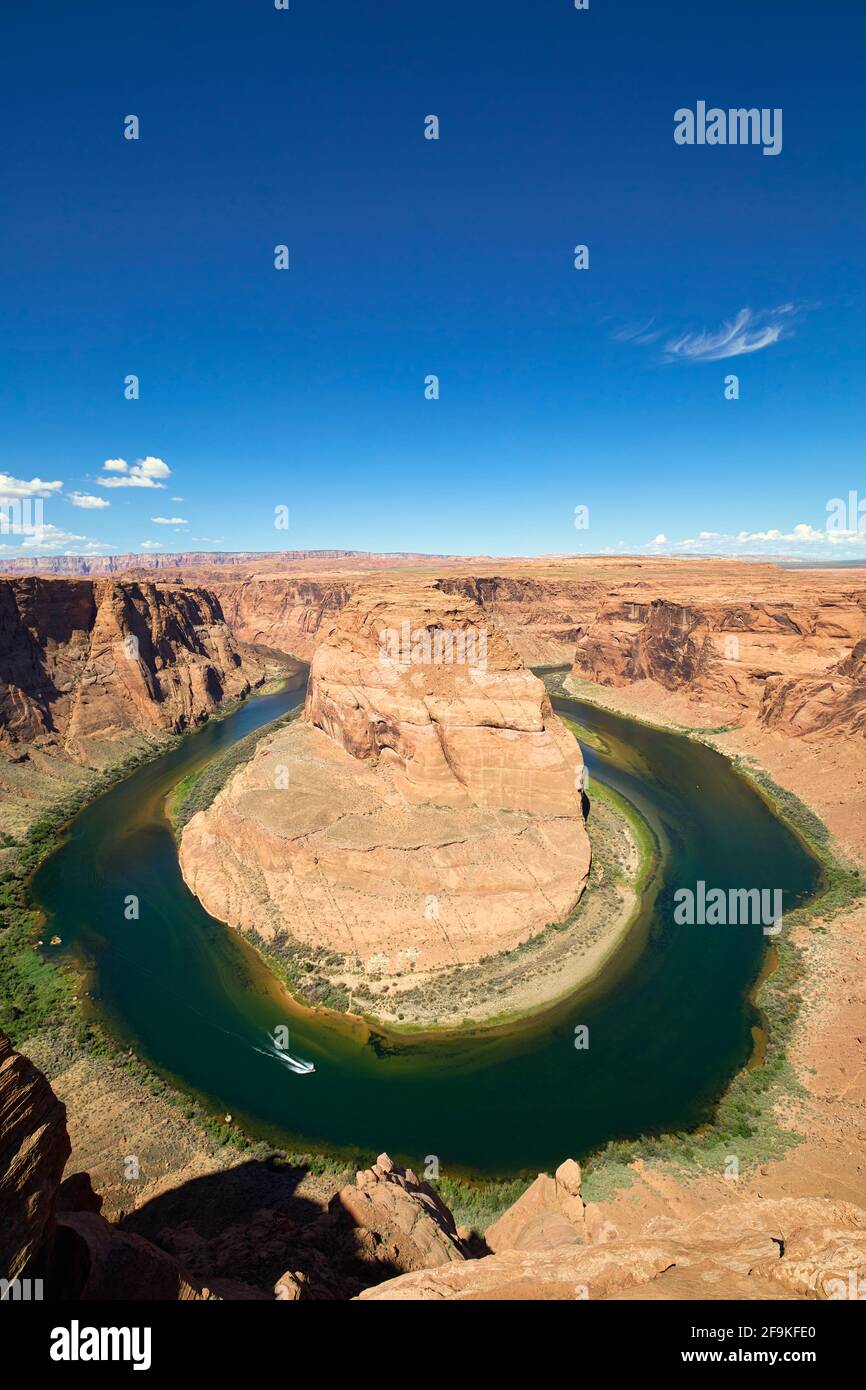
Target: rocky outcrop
(426, 686)
(427, 813)
(34, 1147)
(550, 1213)
(389, 1221)
(794, 1248)
(52, 1230)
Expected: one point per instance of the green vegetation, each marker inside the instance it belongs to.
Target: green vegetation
(200, 789)
(476, 1205)
(34, 995)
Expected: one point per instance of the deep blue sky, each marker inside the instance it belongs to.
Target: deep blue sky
(305, 388)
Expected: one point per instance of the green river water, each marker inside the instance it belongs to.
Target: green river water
(670, 1020)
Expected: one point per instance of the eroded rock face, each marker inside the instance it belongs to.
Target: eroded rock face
(428, 812)
(426, 685)
(85, 664)
(34, 1147)
(791, 663)
(282, 612)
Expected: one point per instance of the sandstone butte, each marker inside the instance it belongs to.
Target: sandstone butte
(389, 1236)
(423, 814)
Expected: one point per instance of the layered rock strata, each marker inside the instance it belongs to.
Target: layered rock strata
(427, 812)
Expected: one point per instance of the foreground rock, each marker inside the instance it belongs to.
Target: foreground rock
(53, 1231)
(34, 1147)
(389, 1221)
(789, 1249)
(550, 1213)
(427, 813)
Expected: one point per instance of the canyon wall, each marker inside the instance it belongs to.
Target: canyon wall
(790, 657)
(83, 664)
(281, 612)
(94, 670)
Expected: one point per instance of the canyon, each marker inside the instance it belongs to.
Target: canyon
(742, 641)
(768, 665)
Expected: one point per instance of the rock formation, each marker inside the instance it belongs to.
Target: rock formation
(795, 1248)
(84, 664)
(34, 1147)
(91, 670)
(427, 813)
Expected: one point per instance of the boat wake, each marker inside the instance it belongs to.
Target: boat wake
(295, 1064)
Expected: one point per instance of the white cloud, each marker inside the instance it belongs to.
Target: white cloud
(177, 499)
(748, 332)
(170, 520)
(146, 473)
(151, 545)
(53, 540)
(87, 501)
(802, 539)
(17, 487)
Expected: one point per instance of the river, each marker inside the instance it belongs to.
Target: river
(670, 1020)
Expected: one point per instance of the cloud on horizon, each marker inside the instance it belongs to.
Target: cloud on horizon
(803, 539)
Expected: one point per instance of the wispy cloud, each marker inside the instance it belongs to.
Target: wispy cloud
(170, 520)
(641, 333)
(748, 332)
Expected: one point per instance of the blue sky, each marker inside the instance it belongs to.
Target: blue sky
(559, 388)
